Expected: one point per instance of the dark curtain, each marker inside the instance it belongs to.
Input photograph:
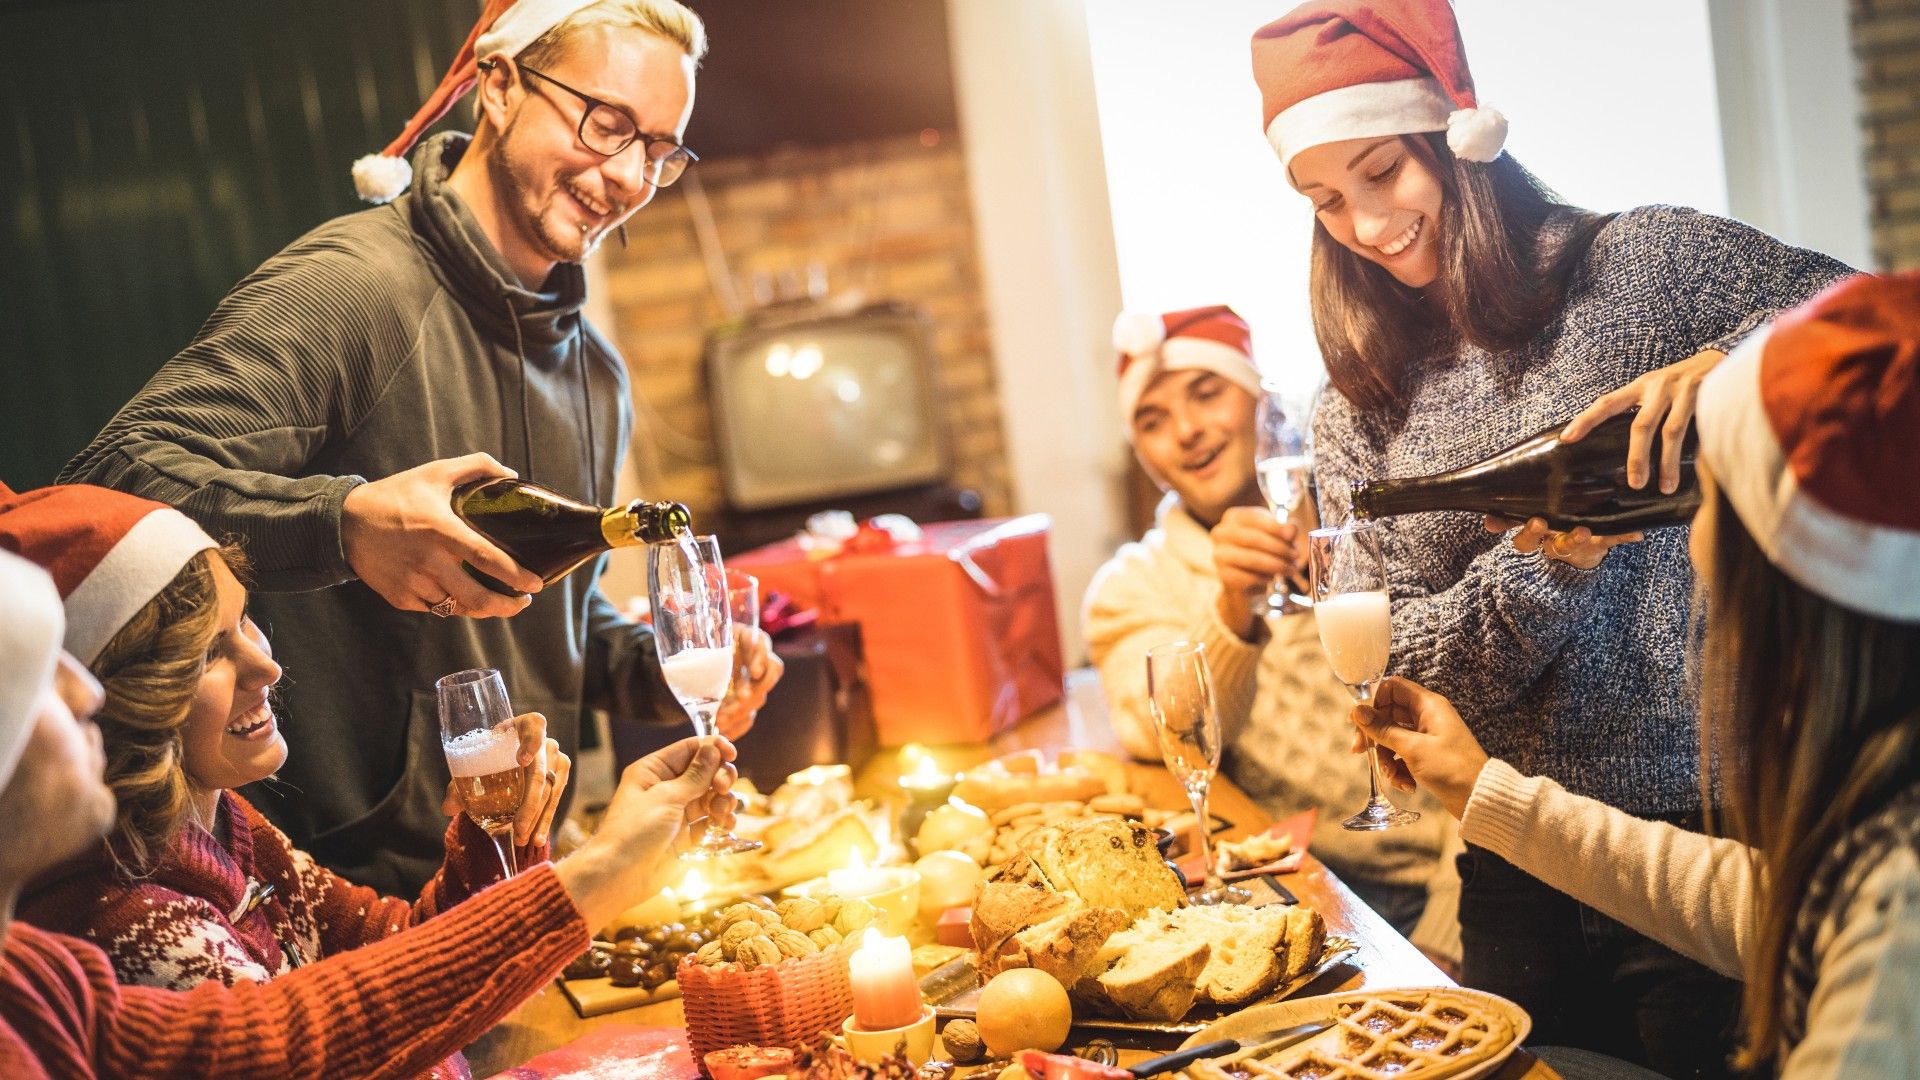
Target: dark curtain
(152, 152)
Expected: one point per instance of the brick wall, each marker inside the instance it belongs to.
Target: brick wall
(888, 218)
(1886, 40)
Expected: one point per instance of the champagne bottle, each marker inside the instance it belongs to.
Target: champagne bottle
(552, 535)
(1568, 484)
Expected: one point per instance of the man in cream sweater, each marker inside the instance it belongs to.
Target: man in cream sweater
(1188, 391)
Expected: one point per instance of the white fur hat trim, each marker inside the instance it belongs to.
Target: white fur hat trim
(1476, 134)
(378, 178)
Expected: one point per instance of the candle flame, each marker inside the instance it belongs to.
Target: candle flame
(859, 860)
(871, 937)
(919, 768)
(692, 885)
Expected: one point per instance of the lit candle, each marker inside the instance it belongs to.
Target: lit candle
(859, 879)
(885, 993)
(894, 891)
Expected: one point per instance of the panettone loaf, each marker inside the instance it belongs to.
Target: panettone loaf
(1106, 862)
(1152, 975)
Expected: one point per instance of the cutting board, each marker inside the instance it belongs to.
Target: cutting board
(596, 997)
(614, 1052)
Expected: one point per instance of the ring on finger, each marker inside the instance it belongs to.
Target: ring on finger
(445, 608)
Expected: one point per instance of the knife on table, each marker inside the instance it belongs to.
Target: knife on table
(1269, 1041)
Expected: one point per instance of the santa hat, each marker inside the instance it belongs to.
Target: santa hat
(1356, 69)
(1210, 338)
(505, 26)
(109, 553)
(30, 625)
(1812, 428)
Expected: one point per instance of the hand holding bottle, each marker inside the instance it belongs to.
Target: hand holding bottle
(1431, 745)
(1579, 548)
(1250, 550)
(402, 538)
(1666, 400)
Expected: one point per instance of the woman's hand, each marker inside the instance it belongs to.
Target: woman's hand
(1579, 548)
(547, 771)
(1666, 398)
(759, 669)
(1251, 548)
(1431, 744)
(658, 798)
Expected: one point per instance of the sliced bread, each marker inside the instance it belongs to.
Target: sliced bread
(1154, 975)
(1249, 946)
(1108, 863)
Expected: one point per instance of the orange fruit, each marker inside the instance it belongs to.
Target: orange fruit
(1022, 1008)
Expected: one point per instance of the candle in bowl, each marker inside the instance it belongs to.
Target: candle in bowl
(894, 892)
(885, 993)
(925, 785)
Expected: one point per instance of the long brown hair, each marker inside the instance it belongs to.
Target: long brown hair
(1810, 719)
(1497, 289)
(150, 670)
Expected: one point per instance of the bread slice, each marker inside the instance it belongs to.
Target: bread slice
(1003, 909)
(1249, 946)
(1306, 941)
(1023, 925)
(1154, 974)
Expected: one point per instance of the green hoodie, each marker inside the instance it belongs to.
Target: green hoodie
(378, 342)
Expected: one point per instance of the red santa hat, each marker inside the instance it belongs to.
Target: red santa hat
(109, 553)
(1211, 338)
(1812, 428)
(505, 26)
(30, 627)
(1353, 69)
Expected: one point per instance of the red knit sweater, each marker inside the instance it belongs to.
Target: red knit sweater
(389, 1009)
(175, 928)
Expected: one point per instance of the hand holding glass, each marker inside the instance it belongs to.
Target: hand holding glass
(1285, 473)
(693, 632)
(1180, 694)
(483, 754)
(1356, 630)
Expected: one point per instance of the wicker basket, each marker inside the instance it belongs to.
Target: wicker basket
(785, 1004)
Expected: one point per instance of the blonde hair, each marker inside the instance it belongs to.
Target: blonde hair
(150, 670)
(668, 18)
(1810, 722)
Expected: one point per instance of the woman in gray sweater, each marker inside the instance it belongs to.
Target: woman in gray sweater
(1461, 307)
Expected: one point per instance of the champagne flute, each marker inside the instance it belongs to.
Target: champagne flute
(693, 631)
(1180, 692)
(743, 604)
(1285, 472)
(1356, 630)
(483, 754)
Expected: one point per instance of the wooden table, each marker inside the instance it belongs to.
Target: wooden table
(1385, 958)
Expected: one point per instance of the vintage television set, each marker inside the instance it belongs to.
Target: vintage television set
(817, 409)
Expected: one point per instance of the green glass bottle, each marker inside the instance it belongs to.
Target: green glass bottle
(553, 535)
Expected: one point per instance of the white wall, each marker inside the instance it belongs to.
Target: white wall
(1606, 111)
(1025, 94)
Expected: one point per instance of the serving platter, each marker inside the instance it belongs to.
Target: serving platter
(1252, 1021)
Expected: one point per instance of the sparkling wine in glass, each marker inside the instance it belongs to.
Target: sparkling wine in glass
(483, 754)
(1285, 471)
(1356, 630)
(693, 631)
(1180, 692)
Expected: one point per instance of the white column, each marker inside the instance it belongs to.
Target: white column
(1024, 83)
(1790, 123)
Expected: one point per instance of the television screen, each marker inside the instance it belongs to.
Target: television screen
(817, 408)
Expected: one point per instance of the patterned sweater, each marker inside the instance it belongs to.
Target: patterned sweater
(176, 927)
(1579, 675)
(387, 1010)
(1853, 981)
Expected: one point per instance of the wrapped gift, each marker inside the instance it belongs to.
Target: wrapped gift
(819, 713)
(959, 627)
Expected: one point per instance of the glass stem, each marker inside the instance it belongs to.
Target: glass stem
(1204, 826)
(1375, 773)
(503, 843)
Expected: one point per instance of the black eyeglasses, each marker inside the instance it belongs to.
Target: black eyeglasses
(607, 129)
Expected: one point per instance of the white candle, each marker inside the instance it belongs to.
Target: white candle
(885, 993)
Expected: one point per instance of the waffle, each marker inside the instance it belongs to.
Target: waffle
(1412, 1036)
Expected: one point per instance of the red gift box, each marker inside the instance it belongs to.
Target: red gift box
(959, 626)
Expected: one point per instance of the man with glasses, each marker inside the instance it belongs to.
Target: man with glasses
(337, 396)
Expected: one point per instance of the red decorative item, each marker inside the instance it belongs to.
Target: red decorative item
(961, 634)
(627, 1050)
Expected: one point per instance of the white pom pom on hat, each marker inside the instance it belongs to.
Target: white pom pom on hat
(1476, 134)
(1333, 70)
(505, 26)
(1136, 333)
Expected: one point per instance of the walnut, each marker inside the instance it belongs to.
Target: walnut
(803, 914)
(963, 1042)
(712, 954)
(739, 933)
(826, 937)
(855, 915)
(793, 943)
(759, 952)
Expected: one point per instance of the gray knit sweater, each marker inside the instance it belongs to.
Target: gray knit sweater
(1577, 675)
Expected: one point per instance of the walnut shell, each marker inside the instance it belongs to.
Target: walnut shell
(803, 914)
(739, 933)
(855, 915)
(826, 937)
(963, 1042)
(793, 943)
(759, 951)
(712, 954)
